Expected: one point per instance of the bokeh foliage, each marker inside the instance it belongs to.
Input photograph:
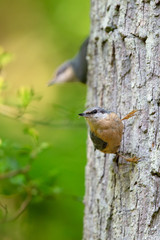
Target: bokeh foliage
(49, 148)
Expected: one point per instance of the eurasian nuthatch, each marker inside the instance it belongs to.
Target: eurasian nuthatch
(106, 130)
(74, 69)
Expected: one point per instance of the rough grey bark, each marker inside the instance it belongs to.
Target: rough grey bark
(122, 200)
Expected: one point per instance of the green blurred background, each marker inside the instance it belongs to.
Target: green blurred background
(41, 34)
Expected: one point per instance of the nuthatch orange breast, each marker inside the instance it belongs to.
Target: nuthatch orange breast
(106, 129)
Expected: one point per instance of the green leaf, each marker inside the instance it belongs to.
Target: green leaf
(25, 96)
(2, 83)
(18, 180)
(5, 57)
(0, 142)
(32, 132)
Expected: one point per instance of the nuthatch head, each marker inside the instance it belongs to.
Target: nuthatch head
(74, 69)
(94, 116)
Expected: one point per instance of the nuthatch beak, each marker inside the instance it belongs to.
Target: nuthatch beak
(83, 114)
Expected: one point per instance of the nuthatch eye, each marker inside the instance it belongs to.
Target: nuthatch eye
(74, 69)
(106, 129)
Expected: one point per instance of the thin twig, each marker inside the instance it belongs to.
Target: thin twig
(15, 172)
(13, 113)
(4, 207)
(22, 208)
(129, 115)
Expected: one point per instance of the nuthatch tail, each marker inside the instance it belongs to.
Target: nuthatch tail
(74, 69)
(106, 130)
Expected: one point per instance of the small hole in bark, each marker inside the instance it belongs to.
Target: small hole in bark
(117, 8)
(103, 43)
(158, 102)
(157, 3)
(96, 39)
(143, 38)
(110, 28)
(108, 8)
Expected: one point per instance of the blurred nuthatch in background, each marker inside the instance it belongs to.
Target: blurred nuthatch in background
(74, 69)
(106, 130)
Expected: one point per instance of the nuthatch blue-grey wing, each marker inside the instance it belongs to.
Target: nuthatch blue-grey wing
(106, 130)
(74, 69)
(98, 142)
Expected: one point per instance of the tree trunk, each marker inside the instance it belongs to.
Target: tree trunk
(122, 199)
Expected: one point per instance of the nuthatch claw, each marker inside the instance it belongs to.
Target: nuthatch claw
(133, 159)
(106, 130)
(74, 69)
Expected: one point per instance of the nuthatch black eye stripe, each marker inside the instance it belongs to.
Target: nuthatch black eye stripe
(97, 111)
(94, 111)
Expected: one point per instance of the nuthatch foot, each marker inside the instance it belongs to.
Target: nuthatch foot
(74, 69)
(106, 130)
